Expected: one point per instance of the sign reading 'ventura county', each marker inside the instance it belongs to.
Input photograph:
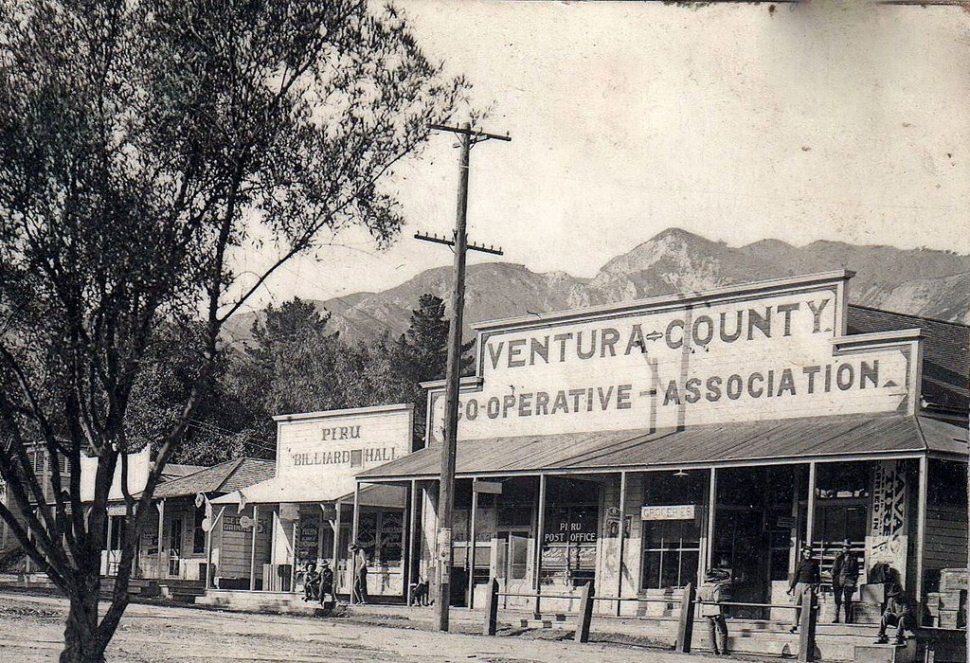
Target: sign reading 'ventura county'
(775, 350)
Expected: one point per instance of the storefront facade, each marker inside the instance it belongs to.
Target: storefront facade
(311, 511)
(636, 445)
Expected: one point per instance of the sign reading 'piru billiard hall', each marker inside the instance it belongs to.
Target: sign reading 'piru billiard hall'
(763, 351)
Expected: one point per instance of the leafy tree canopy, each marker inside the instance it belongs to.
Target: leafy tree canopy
(144, 144)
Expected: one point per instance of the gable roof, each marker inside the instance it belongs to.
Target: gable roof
(222, 478)
(946, 353)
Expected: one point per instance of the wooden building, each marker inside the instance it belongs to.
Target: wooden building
(636, 444)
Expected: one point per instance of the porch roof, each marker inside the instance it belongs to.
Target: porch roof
(741, 443)
(278, 490)
(222, 478)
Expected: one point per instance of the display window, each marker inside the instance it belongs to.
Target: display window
(381, 535)
(671, 548)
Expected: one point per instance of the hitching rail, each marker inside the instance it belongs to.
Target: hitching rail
(688, 601)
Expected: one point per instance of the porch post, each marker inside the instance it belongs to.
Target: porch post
(252, 558)
(354, 525)
(405, 554)
(924, 479)
(296, 527)
(540, 529)
(810, 525)
(622, 533)
(711, 505)
(336, 548)
(470, 557)
(412, 539)
(208, 547)
(161, 530)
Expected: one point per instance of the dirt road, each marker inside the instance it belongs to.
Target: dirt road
(31, 629)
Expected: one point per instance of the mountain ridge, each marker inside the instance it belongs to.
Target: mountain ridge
(926, 283)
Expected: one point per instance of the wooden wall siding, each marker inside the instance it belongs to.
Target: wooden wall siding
(946, 538)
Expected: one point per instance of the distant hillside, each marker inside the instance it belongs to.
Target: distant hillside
(933, 284)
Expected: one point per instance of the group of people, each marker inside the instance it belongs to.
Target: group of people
(899, 611)
(319, 586)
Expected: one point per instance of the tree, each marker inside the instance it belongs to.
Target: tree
(144, 146)
(291, 366)
(421, 355)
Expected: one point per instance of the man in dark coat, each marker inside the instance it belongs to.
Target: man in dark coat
(845, 577)
(806, 578)
(326, 584)
(901, 613)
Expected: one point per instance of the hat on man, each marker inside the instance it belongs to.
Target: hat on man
(846, 545)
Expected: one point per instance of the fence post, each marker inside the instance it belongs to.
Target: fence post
(491, 608)
(585, 613)
(686, 630)
(806, 627)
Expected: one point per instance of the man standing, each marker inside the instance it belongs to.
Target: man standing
(360, 573)
(805, 579)
(845, 577)
(712, 591)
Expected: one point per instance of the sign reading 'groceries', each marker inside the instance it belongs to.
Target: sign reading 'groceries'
(775, 353)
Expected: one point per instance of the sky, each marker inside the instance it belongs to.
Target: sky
(828, 120)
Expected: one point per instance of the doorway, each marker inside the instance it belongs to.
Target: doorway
(512, 562)
(174, 547)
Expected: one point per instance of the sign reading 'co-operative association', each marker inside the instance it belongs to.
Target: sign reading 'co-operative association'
(760, 353)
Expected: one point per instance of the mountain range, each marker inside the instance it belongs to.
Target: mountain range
(922, 282)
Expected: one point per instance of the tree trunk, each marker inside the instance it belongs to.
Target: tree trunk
(82, 643)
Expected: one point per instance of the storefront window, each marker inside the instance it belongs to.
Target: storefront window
(843, 491)
(392, 532)
(571, 530)
(382, 537)
(307, 538)
(198, 534)
(671, 548)
(671, 553)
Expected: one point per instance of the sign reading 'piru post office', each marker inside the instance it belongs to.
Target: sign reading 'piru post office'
(775, 351)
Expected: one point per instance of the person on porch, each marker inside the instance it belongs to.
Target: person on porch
(714, 589)
(845, 577)
(806, 578)
(311, 582)
(326, 585)
(901, 613)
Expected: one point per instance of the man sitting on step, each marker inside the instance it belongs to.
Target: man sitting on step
(900, 613)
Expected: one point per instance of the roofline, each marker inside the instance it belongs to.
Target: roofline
(326, 414)
(679, 299)
(664, 467)
(910, 315)
(229, 474)
(467, 381)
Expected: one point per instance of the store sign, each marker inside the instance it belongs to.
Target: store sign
(488, 487)
(329, 449)
(731, 358)
(678, 512)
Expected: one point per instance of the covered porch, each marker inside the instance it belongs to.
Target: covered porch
(641, 514)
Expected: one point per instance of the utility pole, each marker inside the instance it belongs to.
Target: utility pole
(446, 485)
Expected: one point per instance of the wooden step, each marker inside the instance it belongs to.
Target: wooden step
(874, 653)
